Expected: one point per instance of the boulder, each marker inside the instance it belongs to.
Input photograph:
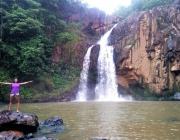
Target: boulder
(18, 121)
(177, 96)
(11, 135)
(52, 125)
(53, 121)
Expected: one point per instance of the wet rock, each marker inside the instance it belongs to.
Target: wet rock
(123, 54)
(28, 136)
(171, 44)
(53, 121)
(52, 125)
(22, 122)
(94, 58)
(177, 96)
(172, 119)
(100, 138)
(43, 138)
(11, 135)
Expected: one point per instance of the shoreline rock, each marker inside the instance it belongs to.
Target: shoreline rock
(20, 125)
(18, 121)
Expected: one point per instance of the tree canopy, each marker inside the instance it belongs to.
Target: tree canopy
(29, 31)
(140, 5)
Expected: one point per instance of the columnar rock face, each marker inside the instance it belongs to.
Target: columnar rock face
(147, 48)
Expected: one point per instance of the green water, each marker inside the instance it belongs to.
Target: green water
(114, 120)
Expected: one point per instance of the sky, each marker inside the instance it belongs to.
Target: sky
(107, 5)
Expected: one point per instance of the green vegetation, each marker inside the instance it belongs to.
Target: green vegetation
(66, 79)
(142, 92)
(140, 5)
(29, 31)
(131, 42)
(4, 90)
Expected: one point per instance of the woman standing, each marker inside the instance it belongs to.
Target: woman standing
(15, 92)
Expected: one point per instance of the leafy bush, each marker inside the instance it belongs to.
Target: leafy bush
(25, 93)
(37, 96)
(4, 89)
(66, 79)
(65, 37)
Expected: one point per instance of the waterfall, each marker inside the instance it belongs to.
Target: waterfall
(82, 91)
(106, 88)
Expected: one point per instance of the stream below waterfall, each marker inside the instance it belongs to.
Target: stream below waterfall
(114, 120)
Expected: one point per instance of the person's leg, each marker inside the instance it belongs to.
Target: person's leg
(17, 103)
(10, 101)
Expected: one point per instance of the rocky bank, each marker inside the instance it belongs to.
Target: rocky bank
(20, 126)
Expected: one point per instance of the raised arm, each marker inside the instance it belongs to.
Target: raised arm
(5, 83)
(26, 82)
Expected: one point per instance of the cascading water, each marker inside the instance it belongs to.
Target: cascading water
(82, 91)
(106, 88)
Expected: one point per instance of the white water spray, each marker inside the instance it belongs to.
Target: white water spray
(82, 91)
(106, 89)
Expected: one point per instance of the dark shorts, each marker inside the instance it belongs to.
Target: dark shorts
(14, 95)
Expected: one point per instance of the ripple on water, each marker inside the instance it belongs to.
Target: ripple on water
(128, 120)
(109, 138)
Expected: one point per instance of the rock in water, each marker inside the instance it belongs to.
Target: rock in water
(177, 96)
(52, 125)
(100, 138)
(43, 138)
(53, 121)
(22, 122)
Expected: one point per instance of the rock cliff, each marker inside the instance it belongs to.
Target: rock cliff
(147, 48)
(93, 23)
(93, 20)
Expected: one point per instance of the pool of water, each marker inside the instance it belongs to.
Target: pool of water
(113, 120)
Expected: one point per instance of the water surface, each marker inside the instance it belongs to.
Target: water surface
(114, 120)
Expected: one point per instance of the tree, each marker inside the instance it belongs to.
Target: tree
(30, 29)
(139, 5)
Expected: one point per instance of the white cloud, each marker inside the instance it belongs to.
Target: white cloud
(107, 5)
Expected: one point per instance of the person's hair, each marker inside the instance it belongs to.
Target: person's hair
(15, 79)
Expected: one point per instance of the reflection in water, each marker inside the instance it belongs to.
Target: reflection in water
(123, 120)
(108, 118)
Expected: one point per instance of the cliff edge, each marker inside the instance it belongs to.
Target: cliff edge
(147, 48)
